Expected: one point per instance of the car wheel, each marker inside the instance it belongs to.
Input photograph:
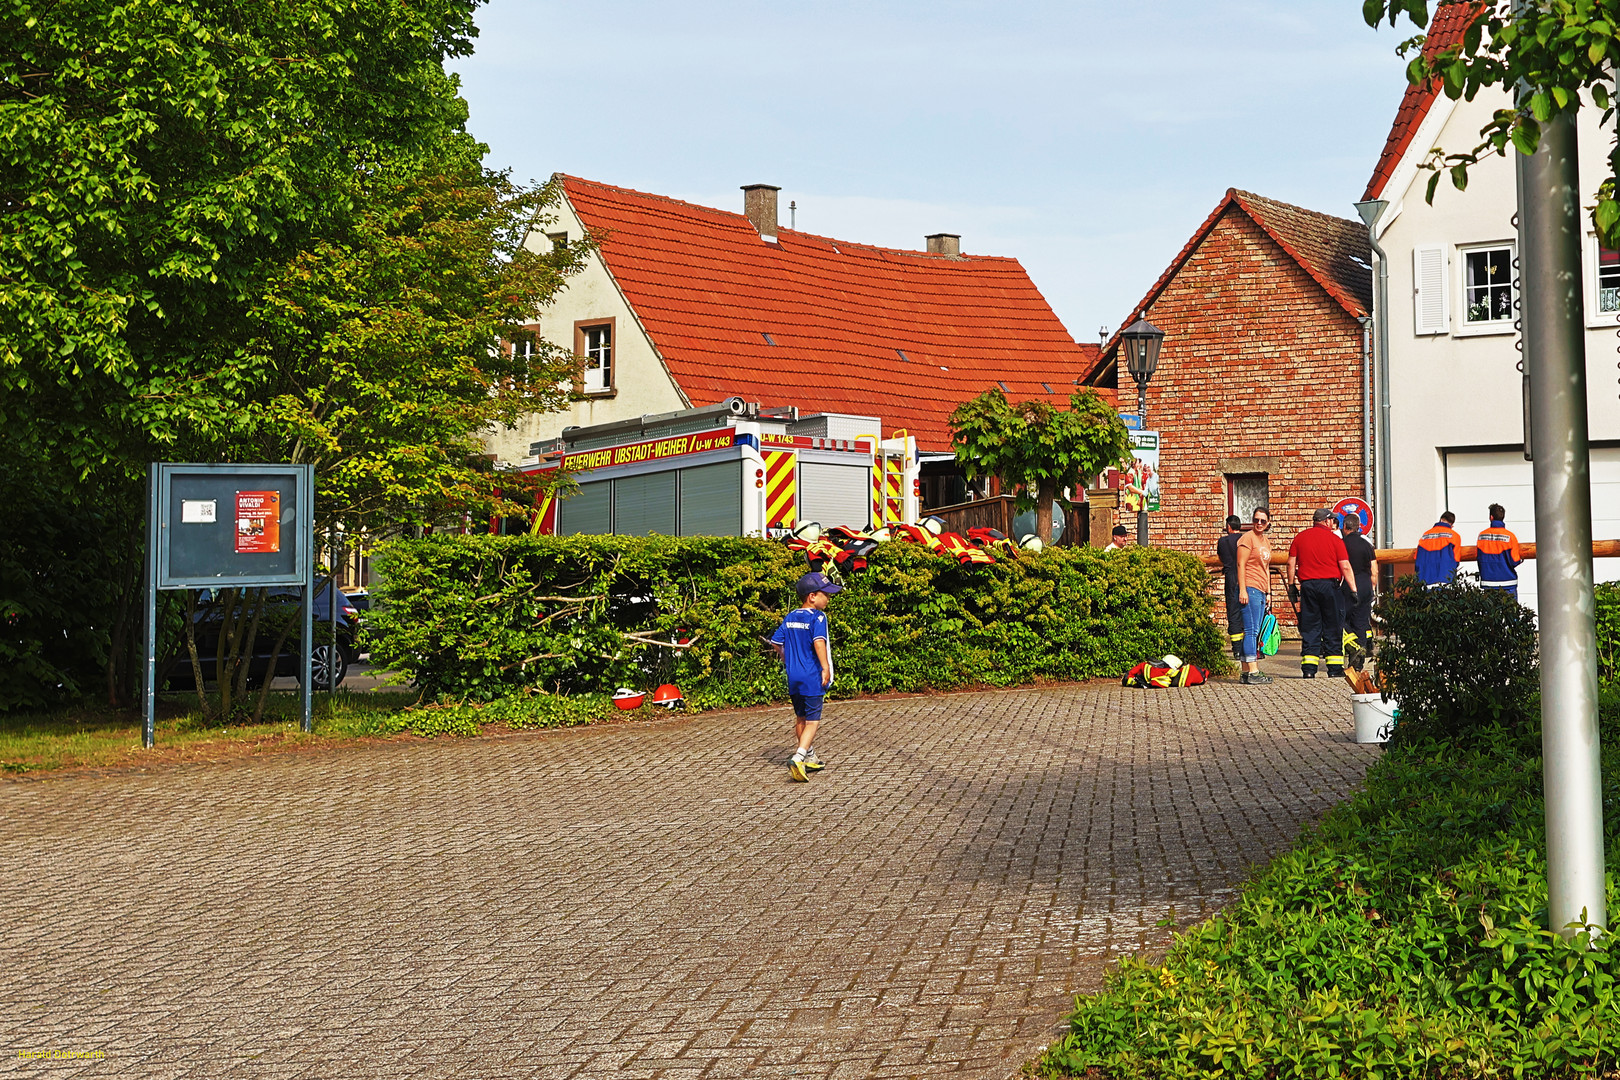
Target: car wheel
(320, 657)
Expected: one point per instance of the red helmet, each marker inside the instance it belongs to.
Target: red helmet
(668, 695)
(627, 699)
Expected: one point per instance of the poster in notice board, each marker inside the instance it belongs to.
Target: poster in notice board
(258, 522)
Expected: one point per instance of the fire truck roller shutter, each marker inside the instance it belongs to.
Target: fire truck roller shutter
(835, 494)
(644, 504)
(589, 512)
(711, 500)
(1475, 479)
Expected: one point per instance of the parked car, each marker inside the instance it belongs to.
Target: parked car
(210, 618)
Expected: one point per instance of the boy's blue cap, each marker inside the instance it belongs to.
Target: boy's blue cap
(817, 582)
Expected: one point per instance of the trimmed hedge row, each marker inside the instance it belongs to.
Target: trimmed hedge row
(481, 617)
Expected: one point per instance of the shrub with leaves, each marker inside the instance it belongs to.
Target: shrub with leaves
(1457, 657)
(1608, 629)
(483, 617)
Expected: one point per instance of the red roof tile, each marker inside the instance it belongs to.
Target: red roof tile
(1335, 251)
(1445, 30)
(902, 335)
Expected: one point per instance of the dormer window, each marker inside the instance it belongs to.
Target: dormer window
(593, 341)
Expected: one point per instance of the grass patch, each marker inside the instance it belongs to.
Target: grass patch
(91, 736)
(1404, 937)
(88, 736)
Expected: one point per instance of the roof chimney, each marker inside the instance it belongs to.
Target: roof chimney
(945, 243)
(759, 206)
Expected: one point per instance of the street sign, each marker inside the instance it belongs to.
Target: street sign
(1132, 421)
(1355, 506)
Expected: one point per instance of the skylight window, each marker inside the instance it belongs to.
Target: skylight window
(1005, 388)
(768, 339)
(901, 353)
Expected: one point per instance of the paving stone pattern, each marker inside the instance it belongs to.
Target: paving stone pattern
(650, 900)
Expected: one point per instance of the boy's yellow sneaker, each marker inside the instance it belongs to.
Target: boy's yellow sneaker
(797, 771)
(812, 763)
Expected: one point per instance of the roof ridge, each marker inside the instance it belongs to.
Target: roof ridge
(840, 244)
(1241, 194)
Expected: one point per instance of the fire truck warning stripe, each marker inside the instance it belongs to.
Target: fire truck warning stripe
(781, 488)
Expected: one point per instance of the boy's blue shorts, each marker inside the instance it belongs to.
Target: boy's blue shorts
(806, 707)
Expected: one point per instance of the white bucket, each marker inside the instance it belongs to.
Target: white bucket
(1375, 717)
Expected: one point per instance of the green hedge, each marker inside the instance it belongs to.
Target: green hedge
(1608, 629)
(481, 617)
(1405, 937)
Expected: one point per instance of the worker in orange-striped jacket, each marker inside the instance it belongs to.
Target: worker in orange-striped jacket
(1499, 555)
(1439, 552)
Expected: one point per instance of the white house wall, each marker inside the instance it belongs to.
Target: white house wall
(1456, 390)
(643, 384)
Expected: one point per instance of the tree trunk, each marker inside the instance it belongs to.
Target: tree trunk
(191, 647)
(1045, 495)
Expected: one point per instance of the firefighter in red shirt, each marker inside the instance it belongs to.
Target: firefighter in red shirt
(1317, 562)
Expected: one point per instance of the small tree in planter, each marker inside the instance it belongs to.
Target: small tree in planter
(1036, 449)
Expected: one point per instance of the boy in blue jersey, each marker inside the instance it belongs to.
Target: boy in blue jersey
(802, 642)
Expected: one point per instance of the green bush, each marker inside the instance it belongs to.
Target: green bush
(1608, 629)
(1458, 657)
(483, 617)
(1405, 937)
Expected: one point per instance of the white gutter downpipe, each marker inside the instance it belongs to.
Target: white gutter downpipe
(1366, 322)
(1371, 210)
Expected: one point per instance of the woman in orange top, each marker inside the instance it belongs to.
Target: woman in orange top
(1254, 591)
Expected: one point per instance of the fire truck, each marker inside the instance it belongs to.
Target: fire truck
(732, 469)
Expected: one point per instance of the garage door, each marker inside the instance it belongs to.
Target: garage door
(1475, 480)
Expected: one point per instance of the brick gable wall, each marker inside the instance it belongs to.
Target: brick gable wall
(1258, 362)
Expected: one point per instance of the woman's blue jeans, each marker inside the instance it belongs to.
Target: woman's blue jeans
(1253, 612)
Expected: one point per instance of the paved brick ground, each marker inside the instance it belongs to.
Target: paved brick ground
(647, 901)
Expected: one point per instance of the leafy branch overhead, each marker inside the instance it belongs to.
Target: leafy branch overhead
(1559, 52)
(1037, 449)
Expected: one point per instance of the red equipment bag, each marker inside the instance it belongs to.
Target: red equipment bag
(1148, 674)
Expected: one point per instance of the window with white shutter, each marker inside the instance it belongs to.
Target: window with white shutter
(1429, 290)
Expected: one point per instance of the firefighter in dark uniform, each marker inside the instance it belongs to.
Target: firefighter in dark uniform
(1317, 562)
(1358, 608)
(1226, 551)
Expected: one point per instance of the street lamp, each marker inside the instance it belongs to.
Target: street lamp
(1141, 341)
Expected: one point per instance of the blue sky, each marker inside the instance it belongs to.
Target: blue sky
(1086, 139)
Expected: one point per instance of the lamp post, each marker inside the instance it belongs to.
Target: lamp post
(1141, 341)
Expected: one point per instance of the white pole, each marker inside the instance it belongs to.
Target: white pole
(1550, 232)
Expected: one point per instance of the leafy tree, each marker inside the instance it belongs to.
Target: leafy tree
(242, 230)
(1561, 53)
(157, 158)
(390, 351)
(1037, 449)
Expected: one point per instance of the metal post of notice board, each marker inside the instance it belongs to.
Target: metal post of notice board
(261, 536)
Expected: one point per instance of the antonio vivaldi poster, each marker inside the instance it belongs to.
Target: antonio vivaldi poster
(258, 522)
